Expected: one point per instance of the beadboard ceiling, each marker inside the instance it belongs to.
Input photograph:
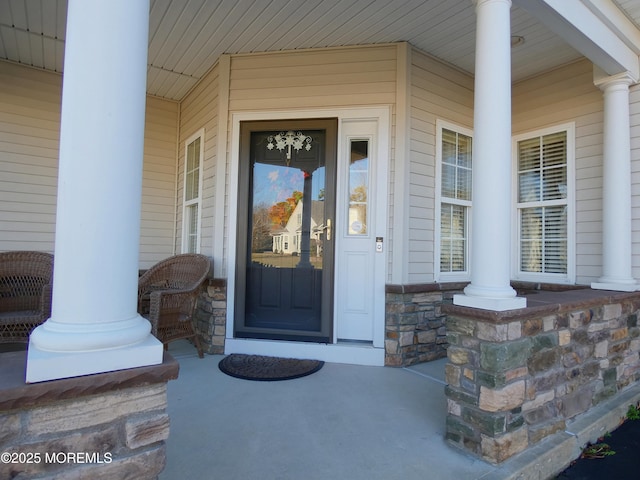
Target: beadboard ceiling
(186, 37)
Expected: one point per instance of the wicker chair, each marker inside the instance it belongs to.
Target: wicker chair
(26, 281)
(167, 296)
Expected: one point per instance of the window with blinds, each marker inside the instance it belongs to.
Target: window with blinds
(542, 204)
(192, 186)
(455, 159)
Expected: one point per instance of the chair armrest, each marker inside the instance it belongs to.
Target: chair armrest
(177, 303)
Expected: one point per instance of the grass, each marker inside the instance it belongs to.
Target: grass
(633, 413)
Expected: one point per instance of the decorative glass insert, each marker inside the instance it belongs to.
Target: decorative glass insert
(359, 172)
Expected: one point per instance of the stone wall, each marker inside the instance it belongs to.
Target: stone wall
(415, 324)
(517, 377)
(211, 316)
(109, 425)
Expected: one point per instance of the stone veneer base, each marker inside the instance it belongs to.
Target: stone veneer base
(518, 377)
(106, 425)
(415, 323)
(555, 453)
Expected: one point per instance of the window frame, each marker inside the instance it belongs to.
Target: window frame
(439, 200)
(517, 273)
(196, 200)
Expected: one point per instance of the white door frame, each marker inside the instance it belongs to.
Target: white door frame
(336, 352)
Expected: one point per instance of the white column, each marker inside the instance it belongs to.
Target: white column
(616, 186)
(94, 326)
(491, 212)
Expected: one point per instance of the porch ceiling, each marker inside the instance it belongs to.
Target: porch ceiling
(186, 37)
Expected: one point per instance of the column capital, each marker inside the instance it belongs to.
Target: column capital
(605, 82)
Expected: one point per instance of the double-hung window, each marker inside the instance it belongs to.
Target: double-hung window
(544, 213)
(453, 188)
(192, 193)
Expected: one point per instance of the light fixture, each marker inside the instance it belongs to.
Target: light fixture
(516, 40)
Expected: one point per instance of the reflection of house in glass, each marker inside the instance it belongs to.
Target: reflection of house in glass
(358, 187)
(287, 240)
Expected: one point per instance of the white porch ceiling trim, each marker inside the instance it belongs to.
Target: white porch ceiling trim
(586, 26)
(187, 37)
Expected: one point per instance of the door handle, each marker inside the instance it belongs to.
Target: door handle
(328, 229)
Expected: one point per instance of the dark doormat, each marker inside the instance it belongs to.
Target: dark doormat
(266, 369)
(622, 465)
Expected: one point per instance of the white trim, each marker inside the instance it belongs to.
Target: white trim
(338, 352)
(399, 244)
(595, 28)
(570, 276)
(224, 69)
(196, 201)
(353, 354)
(378, 139)
(437, 274)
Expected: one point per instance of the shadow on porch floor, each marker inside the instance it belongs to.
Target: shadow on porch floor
(345, 421)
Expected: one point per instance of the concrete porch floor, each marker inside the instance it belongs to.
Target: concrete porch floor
(345, 421)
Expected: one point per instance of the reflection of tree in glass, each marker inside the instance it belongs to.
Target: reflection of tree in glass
(261, 233)
(281, 211)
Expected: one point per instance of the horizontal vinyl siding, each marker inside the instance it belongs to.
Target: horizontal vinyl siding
(437, 92)
(29, 133)
(323, 78)
(158, 182)
(569, 95)
(200, 110)
(29, 145)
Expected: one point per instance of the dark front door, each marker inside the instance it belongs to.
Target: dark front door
(284, 272)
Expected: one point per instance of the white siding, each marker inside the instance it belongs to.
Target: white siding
(29, 131)
(437, 92)
(569, 95)
(158, 182)
(29, 143)
(307, 79)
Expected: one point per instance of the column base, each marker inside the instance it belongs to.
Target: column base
(490, 303)
(616, 286)
(44, 365)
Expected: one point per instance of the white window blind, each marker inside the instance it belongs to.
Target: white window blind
(542, 204)
(455, 196)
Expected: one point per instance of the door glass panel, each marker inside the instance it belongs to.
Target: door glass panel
(286, 231)
(358, 187)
